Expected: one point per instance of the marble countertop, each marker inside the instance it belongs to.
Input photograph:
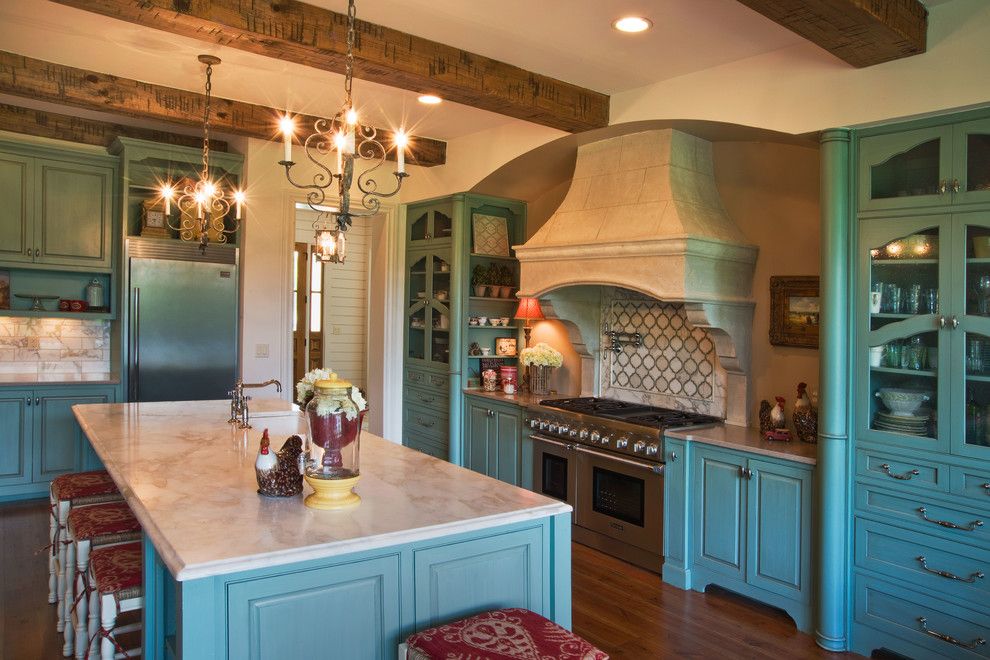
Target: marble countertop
(59, 379)
(748, 439)
(518, 399)
(189, 478)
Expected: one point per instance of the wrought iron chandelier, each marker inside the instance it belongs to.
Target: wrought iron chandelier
(203, 205)
(342, 137)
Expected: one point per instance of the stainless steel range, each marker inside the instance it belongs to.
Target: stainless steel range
(605, 458)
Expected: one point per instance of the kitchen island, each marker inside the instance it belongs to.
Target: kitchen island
(229, 573)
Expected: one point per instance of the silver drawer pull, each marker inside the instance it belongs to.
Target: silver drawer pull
(986, 488)
(979, 641)
(427, 399)
(431, 423)
(903, 477)
(978, 575)
(969, 527)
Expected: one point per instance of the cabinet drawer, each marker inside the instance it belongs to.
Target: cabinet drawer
(428, 379)
(972, 483)
(944, 566)
(426, 422)
(437, 400)
(427, 444)
(897, 472)
(904, 615)
(907, 508)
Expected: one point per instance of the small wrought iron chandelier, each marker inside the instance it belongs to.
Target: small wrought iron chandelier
(342, 136)
(203, 205)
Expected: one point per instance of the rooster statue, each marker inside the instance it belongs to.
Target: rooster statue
(278, 473)
(805, 416)
(766, 424)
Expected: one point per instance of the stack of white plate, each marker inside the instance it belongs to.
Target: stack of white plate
(906, 424)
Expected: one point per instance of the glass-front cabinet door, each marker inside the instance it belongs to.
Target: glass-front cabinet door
(428, 277)
(970, 180)
(905, 397)
(906, 170)
(429, 225)
(971, 336)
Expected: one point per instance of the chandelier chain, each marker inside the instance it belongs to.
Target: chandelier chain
(206, 122)
(349, 67)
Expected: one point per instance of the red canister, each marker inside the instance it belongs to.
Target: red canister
(510, 378)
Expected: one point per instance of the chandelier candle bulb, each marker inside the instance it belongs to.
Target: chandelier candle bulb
(400, 151)
(287, 126)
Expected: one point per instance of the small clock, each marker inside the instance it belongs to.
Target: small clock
(153, 223)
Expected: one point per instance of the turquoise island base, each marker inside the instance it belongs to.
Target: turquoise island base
(231, 574)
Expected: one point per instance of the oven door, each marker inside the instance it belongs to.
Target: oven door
(554, 469)
(621, 498)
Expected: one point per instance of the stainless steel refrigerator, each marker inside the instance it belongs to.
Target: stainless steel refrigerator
(182, 321)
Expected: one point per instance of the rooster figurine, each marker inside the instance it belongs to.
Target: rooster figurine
(805, 416)
(777, 414)
(278, 473)
(766, 424)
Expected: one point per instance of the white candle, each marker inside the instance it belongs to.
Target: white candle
(339, 141)
(288, 127)
(238, 200)
(400, 149)
(351, 118)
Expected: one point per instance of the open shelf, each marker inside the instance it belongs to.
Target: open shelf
(903, 262)
(89, 316)
(976, 378)
(490, 299)
(906, 372)
(888, 315)
(494, 257)
(493, 327)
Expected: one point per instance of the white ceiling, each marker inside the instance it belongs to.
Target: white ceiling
(568, 39)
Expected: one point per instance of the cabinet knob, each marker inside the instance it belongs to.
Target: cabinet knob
(745, 472)
(942, 187)
(37, 252)
(954, 322)
(986, 488)
(29, 401)
(941, 321)
(28, 253)
(37, 401)
(955, 185)
(673, 456)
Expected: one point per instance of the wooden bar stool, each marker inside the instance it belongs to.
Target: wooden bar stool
(507, 634)
(116, 587)
(67, 491)
(89, 527)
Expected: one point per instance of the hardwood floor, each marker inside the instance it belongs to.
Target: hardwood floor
(625, 611)
(629, 613)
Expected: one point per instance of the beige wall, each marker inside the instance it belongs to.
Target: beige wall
(567, 379)
(802, 88)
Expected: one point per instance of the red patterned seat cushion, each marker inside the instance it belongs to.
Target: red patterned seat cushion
(508, 634)
(78, 486)
(116, 569)
(101, 521)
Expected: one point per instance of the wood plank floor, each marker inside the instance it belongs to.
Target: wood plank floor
(625, 611)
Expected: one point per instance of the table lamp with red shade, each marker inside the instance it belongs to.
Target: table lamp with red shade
(529, 310)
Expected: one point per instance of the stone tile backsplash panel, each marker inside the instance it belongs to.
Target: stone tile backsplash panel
(55, 345)
(676, 367)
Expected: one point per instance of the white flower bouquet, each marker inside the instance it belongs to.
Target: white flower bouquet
(304, 388)
(351, 406)
(541, 355)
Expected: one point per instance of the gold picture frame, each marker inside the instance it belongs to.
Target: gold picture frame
(505, 346)
(794, 311)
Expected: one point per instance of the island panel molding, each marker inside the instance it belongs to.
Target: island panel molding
(66, 85)
(313, 36)
(861, 32)
(41, 123)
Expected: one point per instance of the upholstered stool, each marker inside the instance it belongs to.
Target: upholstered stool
(508, 634)
(115, 588)
(67, 491)
(89, 527)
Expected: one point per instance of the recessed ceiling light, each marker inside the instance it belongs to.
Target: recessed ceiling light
(430, 99)
(632, 24)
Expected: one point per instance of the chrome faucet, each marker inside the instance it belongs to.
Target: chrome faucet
(239, 413)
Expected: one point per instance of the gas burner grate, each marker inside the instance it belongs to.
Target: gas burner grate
(590, 405)
(632, 413)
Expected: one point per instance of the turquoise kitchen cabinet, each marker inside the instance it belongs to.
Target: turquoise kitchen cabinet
(493, 441)
(41, 437)
(430, 224)
(677, 500)
(747, 526)
(61, 208)
(428, 312)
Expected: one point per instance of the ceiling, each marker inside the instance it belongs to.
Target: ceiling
(568, 39)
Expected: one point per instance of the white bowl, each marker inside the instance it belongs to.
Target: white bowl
(904, 403)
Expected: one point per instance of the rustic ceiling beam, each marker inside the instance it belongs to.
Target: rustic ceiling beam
(861, 32)
(316, 37)
(42, 123)
(66, 85)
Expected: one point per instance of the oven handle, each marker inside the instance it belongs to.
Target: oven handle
(655, 468)
(563, 445)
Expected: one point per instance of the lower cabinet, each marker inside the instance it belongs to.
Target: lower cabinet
(494, 443)
(41, 438)
(748, 527)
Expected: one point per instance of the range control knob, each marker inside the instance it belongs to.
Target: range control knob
(653, 450)
(543, 424)
(596, 437)
(622, 443)
(563, 429)
(573, 433)
(551, 428)
(639, 447)
(533, 422)
(582, 434)
(606, 439)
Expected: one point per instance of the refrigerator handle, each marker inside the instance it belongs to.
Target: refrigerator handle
(135, 342)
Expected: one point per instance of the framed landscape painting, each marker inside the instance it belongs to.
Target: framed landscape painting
(794, 311)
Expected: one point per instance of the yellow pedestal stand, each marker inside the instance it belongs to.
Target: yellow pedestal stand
(332, 493)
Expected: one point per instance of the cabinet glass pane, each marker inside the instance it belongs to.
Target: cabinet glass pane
(417, 334)
(904, 278)
(904, 383)
(442, 225)
(417, 280)
(419, 227)
(913, 172)
(977, 271)
(441, 278)
(978, 161)
(977, 389)
(441, 336)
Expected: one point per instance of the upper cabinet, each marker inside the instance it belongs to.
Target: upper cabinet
(430, 224)
(937, 166)
(57, 211)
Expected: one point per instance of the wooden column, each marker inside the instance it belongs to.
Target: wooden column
(832, 478)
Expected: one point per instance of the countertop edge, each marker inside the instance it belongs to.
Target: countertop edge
(698, 435)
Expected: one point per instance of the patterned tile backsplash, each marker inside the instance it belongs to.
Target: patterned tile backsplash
(676, 367)
(50, 346)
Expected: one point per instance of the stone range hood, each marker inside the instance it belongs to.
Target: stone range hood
(643, 213)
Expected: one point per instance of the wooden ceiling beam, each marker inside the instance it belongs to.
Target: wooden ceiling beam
(42, 123)
(861, 32)
(301, 33)
(65, 85)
